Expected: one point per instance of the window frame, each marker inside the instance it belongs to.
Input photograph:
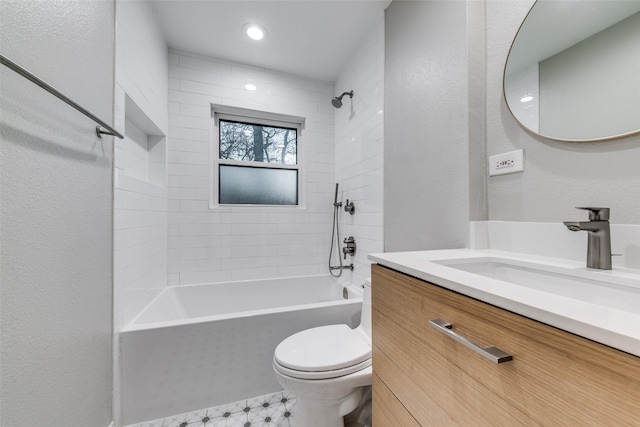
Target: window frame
(263, 119)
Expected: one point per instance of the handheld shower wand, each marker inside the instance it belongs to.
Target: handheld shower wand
(335, 239)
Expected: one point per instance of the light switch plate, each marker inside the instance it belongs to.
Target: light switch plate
(505, 163)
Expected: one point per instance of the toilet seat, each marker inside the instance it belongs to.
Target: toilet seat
(324, 352)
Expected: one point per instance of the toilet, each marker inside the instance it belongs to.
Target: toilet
(327, 368)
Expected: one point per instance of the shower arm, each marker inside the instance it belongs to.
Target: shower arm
(350, 93)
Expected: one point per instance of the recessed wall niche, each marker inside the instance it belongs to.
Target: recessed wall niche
(144, 147)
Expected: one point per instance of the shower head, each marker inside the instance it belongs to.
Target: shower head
(337, 101)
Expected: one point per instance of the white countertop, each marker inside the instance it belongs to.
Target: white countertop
(614, 327)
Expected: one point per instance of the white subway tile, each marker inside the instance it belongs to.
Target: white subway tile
(251, 251)
(243, 229)
(209, 65)
(254, 273)
(186, 170)
(138, 236)
(196, 110)
(300, 270)
(253, 74)
(189, 194)
(244, 262)
(194, 205)
(204, 88)
(245, 240)
(246, 218)
(296, 82)
(218, 230)
(199, 265)
(185, 218)
(174, 108)
(198, 277)
(193, 241)
(192, 182)
(190, 122)
(183, 73)
(194, 134)
(133, 219)
(186, 157)
(189, 145)
(205, 253)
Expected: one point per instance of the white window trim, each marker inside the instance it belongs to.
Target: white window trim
(259, 118)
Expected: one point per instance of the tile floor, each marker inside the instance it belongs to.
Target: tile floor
(272, 410)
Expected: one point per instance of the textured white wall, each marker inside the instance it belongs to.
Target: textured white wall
(56, 180)
(558, 176)
(244, 243)
(426, 128)
(360, 150)
(140, 197)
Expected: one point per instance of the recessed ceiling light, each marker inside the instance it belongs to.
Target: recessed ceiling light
(255, 31)
(526, 98)
(250, 87)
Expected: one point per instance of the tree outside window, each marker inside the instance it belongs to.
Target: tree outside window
(257, 163)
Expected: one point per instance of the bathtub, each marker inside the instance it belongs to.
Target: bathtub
(199, 346)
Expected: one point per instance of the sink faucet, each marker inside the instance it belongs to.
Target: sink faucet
(599, 237)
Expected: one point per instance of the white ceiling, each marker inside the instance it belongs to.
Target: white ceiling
(310, 38)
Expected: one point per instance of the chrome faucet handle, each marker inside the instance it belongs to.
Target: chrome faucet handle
(597, 214)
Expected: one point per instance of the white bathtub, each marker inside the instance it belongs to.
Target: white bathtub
(200, 346)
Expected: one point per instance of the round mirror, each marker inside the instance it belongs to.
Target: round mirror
(573, 71)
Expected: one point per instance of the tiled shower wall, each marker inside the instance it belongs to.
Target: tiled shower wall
(140, 206)
(140, 203)
(359, 148)
(244, 243)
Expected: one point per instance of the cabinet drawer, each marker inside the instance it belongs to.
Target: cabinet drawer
(555, 378)
(387, 409)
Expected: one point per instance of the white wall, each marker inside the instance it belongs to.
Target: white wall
(558, 176)
(426, 128)
(140, 190)
(244, 243)
(360, 150)
(56, 183)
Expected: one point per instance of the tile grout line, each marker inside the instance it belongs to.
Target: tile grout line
(234, 412)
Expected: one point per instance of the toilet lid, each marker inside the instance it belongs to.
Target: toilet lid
(326, 348)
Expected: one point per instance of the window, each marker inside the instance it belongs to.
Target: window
(256, 162)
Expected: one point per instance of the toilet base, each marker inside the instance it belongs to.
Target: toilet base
(325, 412)
(361, 415)
(324, 403)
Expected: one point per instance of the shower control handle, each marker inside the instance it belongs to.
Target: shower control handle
(349, 207)
(350, 246)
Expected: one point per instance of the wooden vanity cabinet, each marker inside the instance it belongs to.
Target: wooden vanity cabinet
(424, 378)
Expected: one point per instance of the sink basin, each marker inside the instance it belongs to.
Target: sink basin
(616, 292)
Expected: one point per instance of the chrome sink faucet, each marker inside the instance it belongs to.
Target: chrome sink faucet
(599, 237)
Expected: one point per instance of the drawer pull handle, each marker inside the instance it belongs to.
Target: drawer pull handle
(492, 353)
